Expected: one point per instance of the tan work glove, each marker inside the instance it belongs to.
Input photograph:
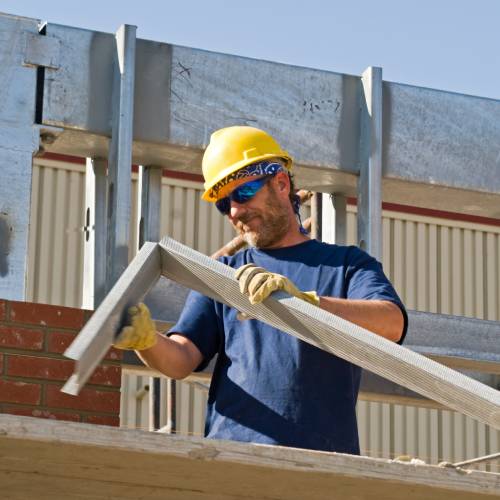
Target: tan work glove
(258, 284)
(141, 334)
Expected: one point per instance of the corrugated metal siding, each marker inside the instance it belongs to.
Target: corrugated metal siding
(188, 219)
(55, 261)
(57, 219)
(439, 266)
(436, 265)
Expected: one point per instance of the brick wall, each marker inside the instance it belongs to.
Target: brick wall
(33, 369)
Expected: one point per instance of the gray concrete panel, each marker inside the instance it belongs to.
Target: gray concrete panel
(313, 113)
(430, 136)
(17, 82)
(78, 95)
(441, 138)
(439, 148)
(18, 143)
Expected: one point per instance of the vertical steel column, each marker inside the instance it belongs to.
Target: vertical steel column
(149, 204)
(95, 231)
(334, 219)
(19, 140)
(370, 175)
(120, 156)
(316, 216)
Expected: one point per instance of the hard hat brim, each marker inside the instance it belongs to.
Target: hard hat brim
(208, 195)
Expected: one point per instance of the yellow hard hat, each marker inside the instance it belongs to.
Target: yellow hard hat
(233, 148)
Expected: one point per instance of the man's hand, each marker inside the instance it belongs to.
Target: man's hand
(141, 334)
(258, 284)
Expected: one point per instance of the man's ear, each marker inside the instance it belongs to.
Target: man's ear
(283, 182)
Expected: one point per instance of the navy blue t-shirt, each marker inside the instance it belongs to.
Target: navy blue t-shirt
(269, 387)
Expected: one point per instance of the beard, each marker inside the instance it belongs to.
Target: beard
(274, 223)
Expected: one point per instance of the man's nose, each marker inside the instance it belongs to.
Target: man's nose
(236, 210)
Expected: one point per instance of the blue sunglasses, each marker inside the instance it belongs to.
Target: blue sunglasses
(241, 194)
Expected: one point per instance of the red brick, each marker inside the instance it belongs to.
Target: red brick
(58, 342)
(88, 400)
(103, 420)
(1, 364)
(37, 367)
(109, 375)
(20, 392)
(3, 315)
(47, 315)
(21, 338)
(41, 413)
(114, 354)
(58, 369)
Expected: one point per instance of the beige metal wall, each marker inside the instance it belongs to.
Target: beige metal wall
(55, 262)
(436, 265)
(57, 221)
(440, 266)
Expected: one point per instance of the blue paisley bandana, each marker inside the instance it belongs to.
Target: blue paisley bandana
(261, 168)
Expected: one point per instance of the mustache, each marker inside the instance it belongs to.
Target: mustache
(244, 218)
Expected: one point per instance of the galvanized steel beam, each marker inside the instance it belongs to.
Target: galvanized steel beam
(42, 51)
(120, 156)
(370, 170)
(430, 137)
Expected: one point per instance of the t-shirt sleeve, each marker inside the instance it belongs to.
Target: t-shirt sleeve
(365, 279)
(200, 323)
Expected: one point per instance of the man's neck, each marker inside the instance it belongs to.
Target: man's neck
(292, 238)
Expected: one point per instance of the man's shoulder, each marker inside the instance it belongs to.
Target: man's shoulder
(237, 259)
(344, 252)
(314, 252)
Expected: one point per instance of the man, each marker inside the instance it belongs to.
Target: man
(267, 386)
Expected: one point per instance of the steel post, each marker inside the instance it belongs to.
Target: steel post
(120, 155)
(149, 230)
(370, 173)
(149, 204)
(95, 231)
(316, 216)
(334, 219)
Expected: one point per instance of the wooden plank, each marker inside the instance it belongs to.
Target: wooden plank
(54, 460)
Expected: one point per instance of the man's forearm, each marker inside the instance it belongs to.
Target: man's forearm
(175, 356)
(379, 316)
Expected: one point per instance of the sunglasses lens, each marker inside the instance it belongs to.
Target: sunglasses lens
(223, 205)
(241, 194)
(247, 191)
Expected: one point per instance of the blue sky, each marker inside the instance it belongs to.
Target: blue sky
(450, 45)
